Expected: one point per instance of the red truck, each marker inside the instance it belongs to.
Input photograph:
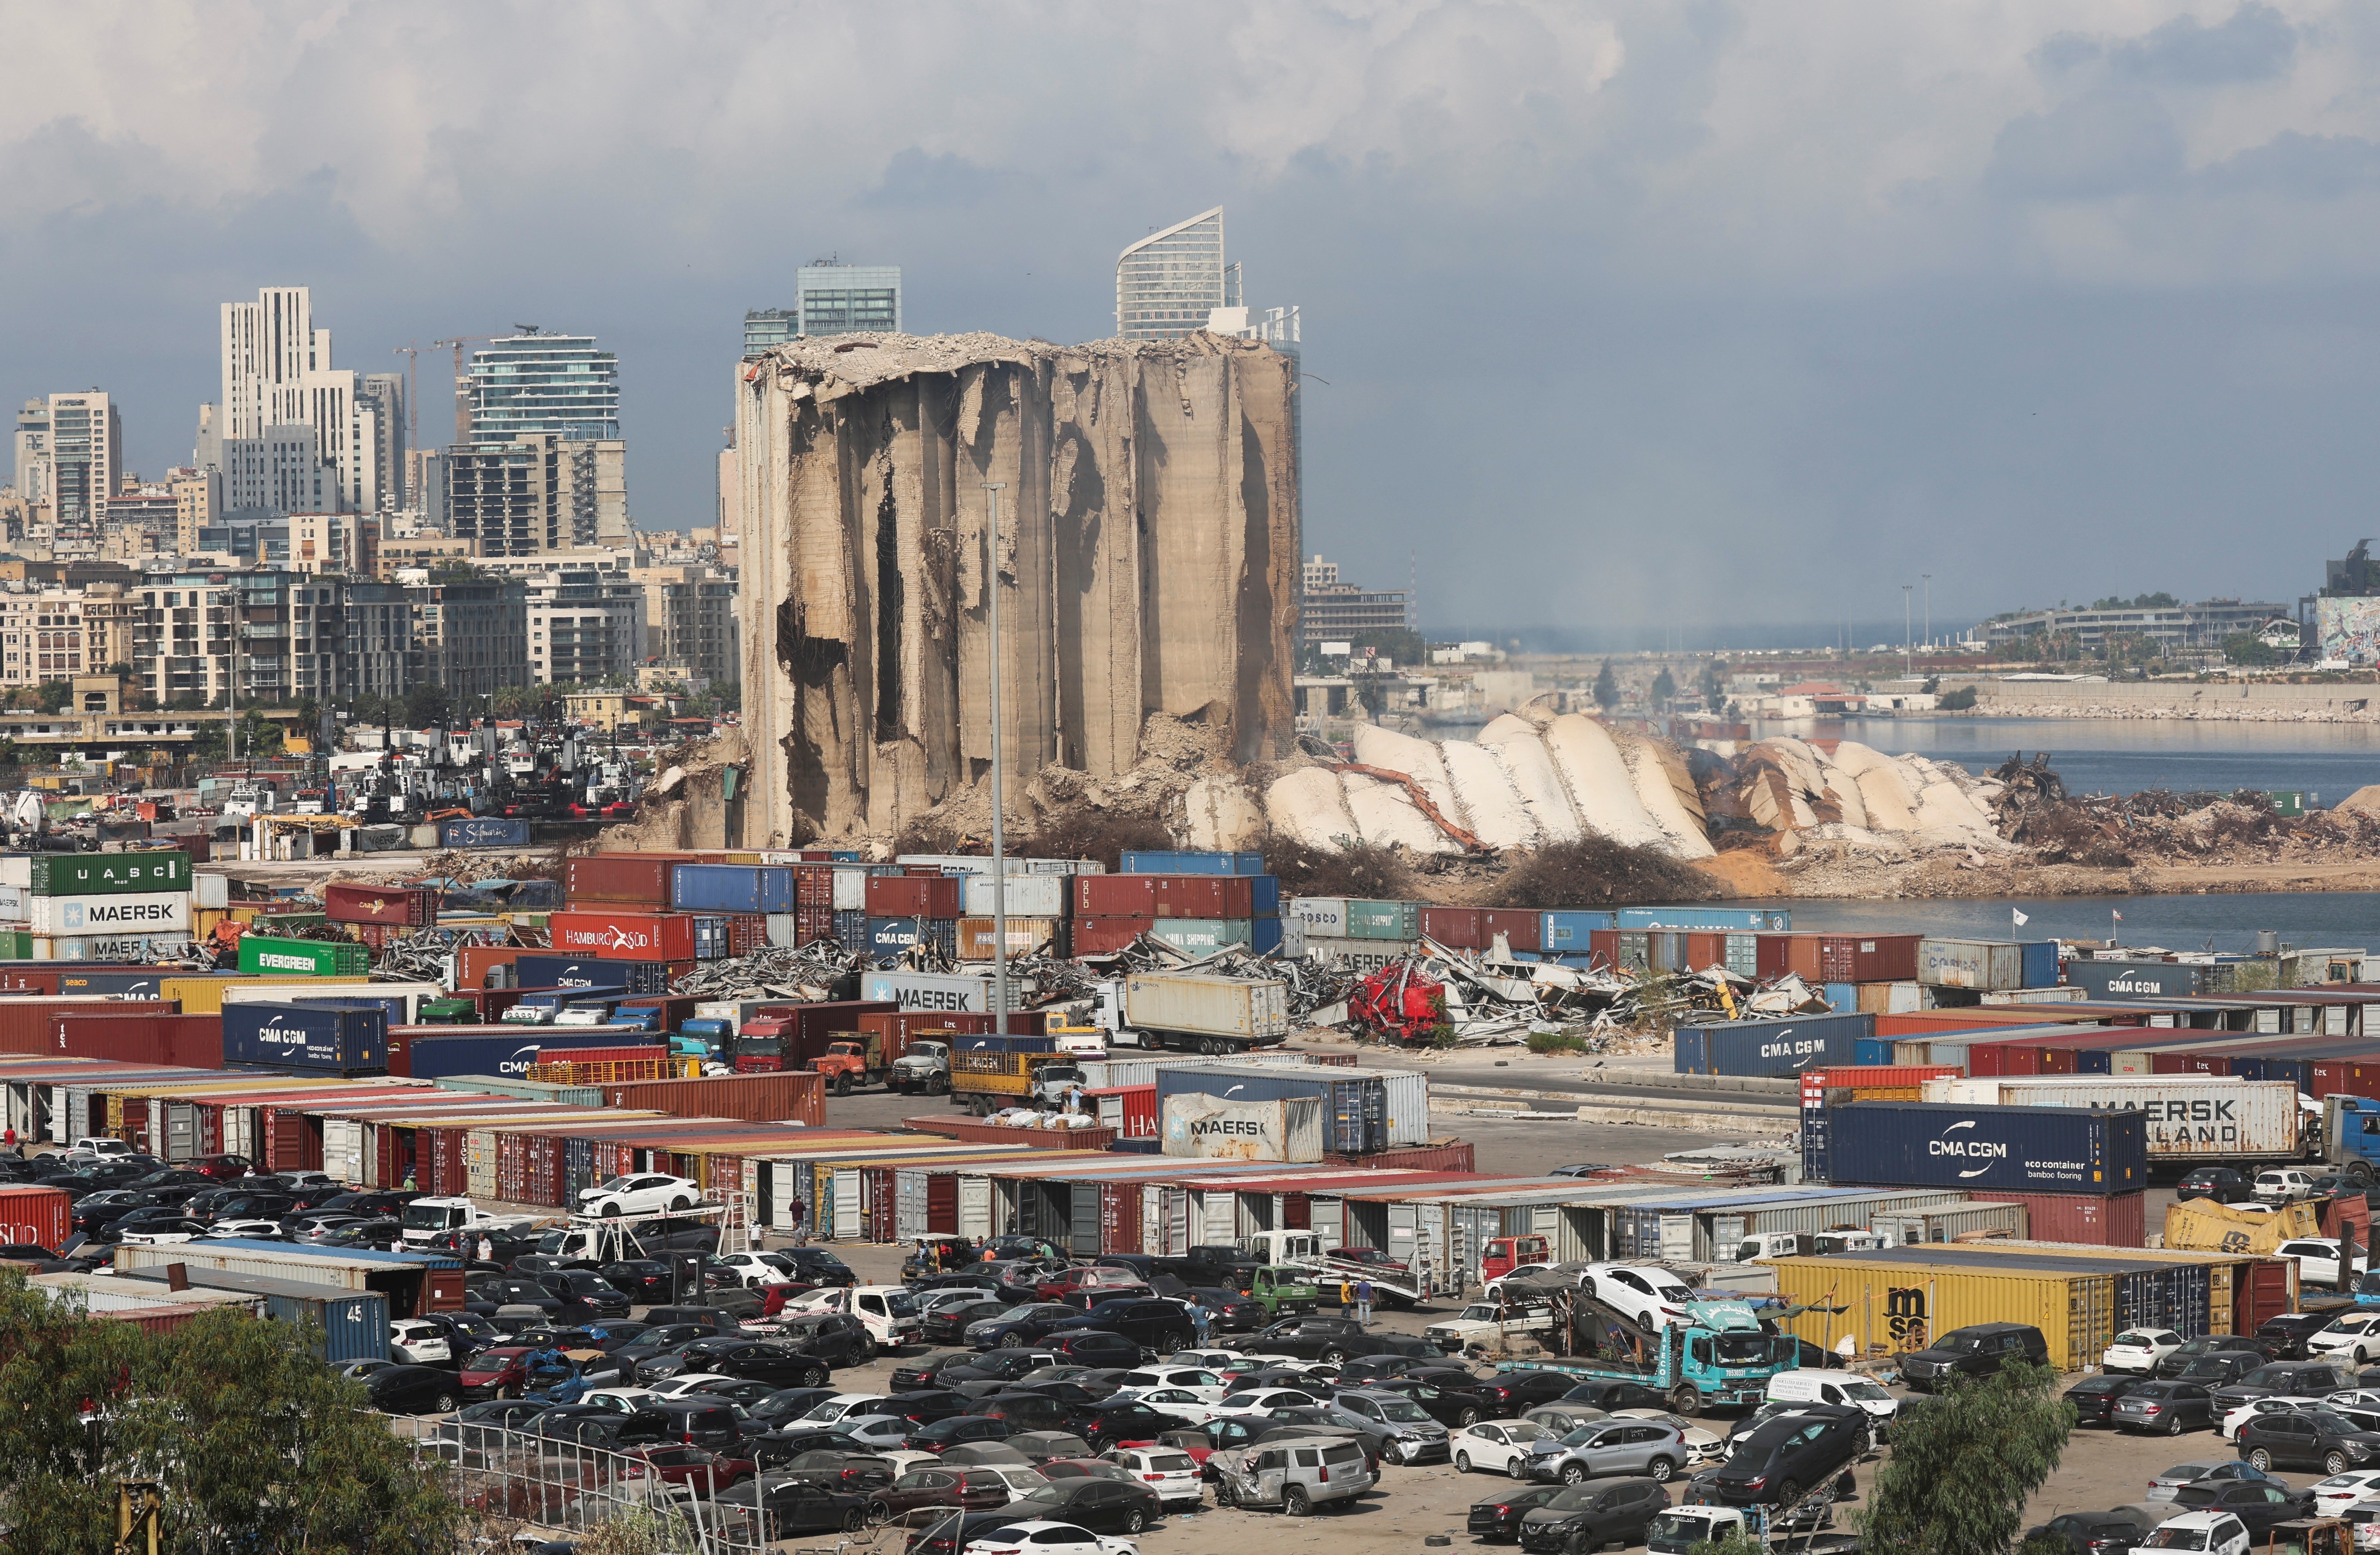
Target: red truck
(790, 1038)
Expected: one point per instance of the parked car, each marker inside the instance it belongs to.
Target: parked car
(1438, 1397)
(1312, 1337)
(781, 1508)
(419, 1343)
(1497, 1446)
(1152, 1324)
(972, 1489)
(1096, 1347)
(2353, 1337)
(1497, 1519)
(1169, 1471)
(1976, 1351)
(1785, 1457)
(2138, 1349)
(2098, 1533)
(2168, 1483)
(2283, 1184)
(2219, 1368)
(2291, 1378)
(1394, 1427)
(641, 1193)
(2258, 1504)
(1632, 1446)
(2094, 1398)
(2223, 1184)
(1590, 1517)
(1649, 1297)
(1103, 1505)
(2307, 1438)
(1016, 1327)
(1513, 1392)
(413, 1389)
(2171, 1406)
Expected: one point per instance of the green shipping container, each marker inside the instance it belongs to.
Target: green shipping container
(15, 944)
(2288, 803)
(99, 874)
(308, 958)
(1383, 921)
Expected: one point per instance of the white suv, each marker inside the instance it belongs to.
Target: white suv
(2205, 1533)
(643, 1193)
(99, 1147)
(415, 1343)
(1653, 1298)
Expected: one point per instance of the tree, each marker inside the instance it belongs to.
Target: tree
(1664, 687)
(2246, 648)
(1960, 700)
(1607, 688)
(53, 695)
(1962, 1466)
(257, 1445)
(426, 703)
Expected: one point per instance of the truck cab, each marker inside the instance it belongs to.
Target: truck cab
(1284, 1292)
(709, 1038)
(925, 1067)
(1720, 1355)
(853, 1059)
(1505, 1254)
(761, 1044)
(1053, 1081)
(2350, 1135)
(448, 1012)
(425, 1220)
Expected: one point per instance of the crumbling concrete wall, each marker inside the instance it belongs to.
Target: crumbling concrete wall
(1146, 557)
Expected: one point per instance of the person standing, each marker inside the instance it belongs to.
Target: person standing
(755, 1235)
(1201, 1319)
(1363, 1304)
(487, 1250)
(1346, 1293)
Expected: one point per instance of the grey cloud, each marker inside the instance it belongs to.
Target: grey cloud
(915, 179)
(2300, 167)
(2255, 43)
(2102, 144)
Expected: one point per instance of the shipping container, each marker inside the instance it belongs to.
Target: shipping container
(1771, 1047)
(1107, 936)
(163, 912)
(1383, 921)
(1163, 863)
(1362, 957)
(636, 879)
(731, 888)
(1028, 896)
(186, 1041)
(41, 1216)
(1201, 936)
(945, 992)
(618, 935)
(1325, 917)
(1568, 930)
(1355, 1118)
(1204, 1004)
(428, 1052)
(1750, 919)
(791, 1096)
(305, 1037)
(1027, 936)
(353, 1324)
(483, 831)
(96, 874)
(1129, 1110)
(414, 905)
(414, 1282)
(1987, 964)
(261, 954)
(1899, 1299)
(1165, 896)
(2117, 979)
(2191, 1118)
(1201, 1125)
(1915, 1227)
(889, 936)
(914, 896)
(1523, 930)
(639, 977)
(2001, 1151)
(1455, 927)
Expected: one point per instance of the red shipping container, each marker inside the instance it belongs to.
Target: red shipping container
(2101, 1220)
(2347, 1076)
(543, 1185)
(1603, 948)
(38, 1215)
(813, 886)
(1134, 1114)
(1523, 930)
(912, 897)
(1875, 1076)
(474, 962)
(1227, 896)
(1704, 951)
(942, 1204)
(1105, 936)
(24, 1023)
(622, 936)
(630, 878)
(1455, 927)
(415, 906)
(748, 933)
(187, 1041)
(785, 1095)
(1119, 1217)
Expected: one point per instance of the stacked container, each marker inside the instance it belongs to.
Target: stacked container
(97, 906)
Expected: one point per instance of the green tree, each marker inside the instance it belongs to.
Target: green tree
(53, 695)
(1664, 687)
(1607, 688)
(425, 704)
(258, 1446)
(1962, 1466)
(1960, 700)
(2246, 648)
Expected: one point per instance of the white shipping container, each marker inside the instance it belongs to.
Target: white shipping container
(17, 869)
(343, 1149)
(851, 889)
(210, 891)
(1325, 916)
(106, 947)
(479, 1162)
(134, 912)
(310, 1268)
(1200, 1004)
(1293, 940)
(102, 1293)
(2063, 994)
(1359, 956)
(1408, 1095)
(947, 992)
(785, 929)
(1976, 964)
(1028, 895)
(2190, 1116)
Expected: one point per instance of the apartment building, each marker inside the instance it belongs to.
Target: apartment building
(690, 616)
(471, 636)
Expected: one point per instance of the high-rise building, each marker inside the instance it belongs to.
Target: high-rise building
(471, 636)
(584, 624)
(32, 450)
(384, 392)
(690, 618)
(86, 438)
(543, 493)
(279, 469)
(1330, 609)
(1170, 282)
(765, 328)
(277, 372)
(523, 385)
(831, 297)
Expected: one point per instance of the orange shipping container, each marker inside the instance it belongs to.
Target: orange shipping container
(797, 1097)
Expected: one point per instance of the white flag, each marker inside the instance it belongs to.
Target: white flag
(2018, 913)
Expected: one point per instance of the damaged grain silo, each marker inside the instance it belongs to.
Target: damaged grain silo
(1148, 554)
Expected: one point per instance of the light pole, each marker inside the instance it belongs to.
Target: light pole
(1929, 610)
(1904, 631)
(999, 836)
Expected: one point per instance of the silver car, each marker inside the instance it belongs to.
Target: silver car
(1399, 1428)
(1651, 1448)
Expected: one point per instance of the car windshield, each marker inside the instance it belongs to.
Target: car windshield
(1403, 1414)
(1574, 1498)
(901, 1303)
(1959, 1344)
(2136, 1340)
(424, 1217)
(1677, 1528)
(613, 1186)
(2171, 1537)
(1581, 1436)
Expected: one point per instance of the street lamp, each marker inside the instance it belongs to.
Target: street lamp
(1904, 631)
(998, 838)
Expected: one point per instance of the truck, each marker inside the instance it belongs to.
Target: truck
(788, 1036)
(1392, 1284)
(1053, 1081)
(925, 1068)
(544, 1006)
(1722, 1354)
(1801, 1532)
(1191, 1011)
(853, 1059)
(1803, 1244)
(425, 1220)
(708, 1037)
(1505, 1254)
(985, 1081)
(2349, 1141)
(1485, 1322)
(1284, 1290)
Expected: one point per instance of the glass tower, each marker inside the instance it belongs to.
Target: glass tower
(1170, 282)
(525, 384)
(832, 299)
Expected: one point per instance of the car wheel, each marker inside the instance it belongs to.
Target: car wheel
(854, 1520)
(2334, 1463)
(1466, 1417)
(610, 1211)
(1134, 1521)
(1222, 1492)
(879, 1514)
(1012, 1342)
(1790, 1493)
(1334, 1356)
(1686, 1400)
(1294, 1502)
(1573, 1474)
(1463, 1462)
(814, 1377)
(444, 1404)
(1659, 1471)
(2260, 1460)
(678, 1204)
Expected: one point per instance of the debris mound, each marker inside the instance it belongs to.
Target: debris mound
(1597, 871)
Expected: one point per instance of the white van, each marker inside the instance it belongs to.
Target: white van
(1819, 1385)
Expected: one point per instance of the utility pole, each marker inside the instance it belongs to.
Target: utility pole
(1904, 630)
(1929, 610)
(998, 795)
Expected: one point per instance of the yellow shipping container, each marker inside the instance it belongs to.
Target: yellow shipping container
(1894, 1306)
(2205, 1225)
(203, 995)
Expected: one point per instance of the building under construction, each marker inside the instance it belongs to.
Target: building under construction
(1146, 553)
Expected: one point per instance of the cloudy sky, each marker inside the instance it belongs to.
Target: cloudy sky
(1679, 311)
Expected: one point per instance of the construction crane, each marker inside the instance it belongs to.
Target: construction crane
(462, 385)
(412, 355)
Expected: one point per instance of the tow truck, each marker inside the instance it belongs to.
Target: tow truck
(1680, 1529)
(1304, 1249)
(1719, 1356)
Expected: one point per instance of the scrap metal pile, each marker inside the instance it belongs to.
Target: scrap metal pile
(806, 973)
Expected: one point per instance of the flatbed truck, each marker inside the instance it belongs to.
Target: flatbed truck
(1720, 1356)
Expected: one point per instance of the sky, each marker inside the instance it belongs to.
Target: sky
(1681, 316)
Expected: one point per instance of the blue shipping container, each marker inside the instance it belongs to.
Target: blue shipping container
(1354, 1107)
(1265, 892)
(1568, 929)
(1987, 1149)
(572, 971)
(1753, 920)
(1841, 997)
(851, 929)
(993, 1042)
(313, 1037)
(354, 1323)
(1268, 935)
(391, 1006)
(1193, 864)
(890, 936)
(2161, 979)
(2041, 964)
(1771, 1046)
(484, 832)
(508, 1056)
(732, 888)
(1872, 1050)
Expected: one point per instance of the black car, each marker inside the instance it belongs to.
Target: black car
(1446, 1404)
(1512, 1393)
(1365, 1370)
(1104, 1506)
(2259, 1503)
(1976, 1351)
(948, 1325)
(818, 1265)
(1094, 1347)
(782, 1507)
(2096, 1533)
(411, 1390)
(1236, 1311)
(644, 1279)
(923, 1406)
(828, 1339)
(2219, 1368)
(660, 1339)
(1412, 1346)
(1024, 1411)
(1109, 1425)
(1155, 1325)
(2094, 1398)
(945, 1434)
(985, 1374)
(2290, 1332)
(781, 1408)
(1314, 1337)
(2309, 1438)
(1593, 1515)
(102, 1208)
(2172, 1364)
(1498, 1518)
(777, 1365)
(2221, 1184)
(372, 1201)
(484, 1424)
(2285, 1379)
(718, 1319)
(1612, 1397)
(1015, 1326)
(1786, 1456)
(911, 1375)
(589, 1289)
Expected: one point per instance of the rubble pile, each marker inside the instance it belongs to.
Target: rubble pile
(809, 973)
(2158, 826)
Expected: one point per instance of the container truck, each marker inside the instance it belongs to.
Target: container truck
(1192, 1011)
(925, 1068)
(1393, 1283)
(985, 1082)
(1720, 1355)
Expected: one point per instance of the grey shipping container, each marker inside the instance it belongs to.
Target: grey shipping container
(1323, 915)
(1355, 1105)
(1906, 1227)
(1362, 957)
(354, 1323)
(1771, 1047)
(950, 992)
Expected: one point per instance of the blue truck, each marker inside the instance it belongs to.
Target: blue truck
(1723, 1356)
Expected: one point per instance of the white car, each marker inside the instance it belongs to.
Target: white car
(621, 1400)
(641, 1193)
(876, 1432)
(222, 1230)
(1264, 1401)
(755, 1270)
(2138, 1349)
(157, 1238)
(2332, 1497)
(1652, 1298)
(844, 1406)
(415, 1342)
(690, 1383)
(1205, 1384)
(99, 1147)
(1182, 1404)
(931, 1302)
(2204, 1532)
(1498, 1446)
(1707, 1446)
(1169, 1471)
(1041, 1538)
(2240, 1415)
(2351, 1335)
(2283, 1184)
(1211, 1360)
(2317, 1258)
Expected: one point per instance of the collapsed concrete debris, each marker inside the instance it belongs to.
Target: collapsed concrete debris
(1145, 554)
(1859, 796)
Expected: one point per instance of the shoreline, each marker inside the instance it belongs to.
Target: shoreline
(1753, 876)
